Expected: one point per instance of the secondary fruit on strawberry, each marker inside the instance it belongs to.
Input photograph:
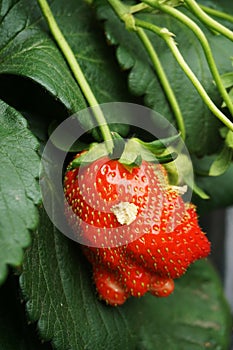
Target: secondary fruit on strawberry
(139, 234)
(108, 288)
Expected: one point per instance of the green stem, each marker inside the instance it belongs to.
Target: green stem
(217, 13)
(168, 38)
(121, 9)
(205, 45)
(77, 72)
(163, 79)
(210, 22)
(139, 7)
(124, 13)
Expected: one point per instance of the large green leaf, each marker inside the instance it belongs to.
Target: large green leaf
(15, 332)
(195, 317)
(19, 189)
(200, 124)
(27, 49)
(56, 282)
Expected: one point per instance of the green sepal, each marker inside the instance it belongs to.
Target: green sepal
(167, 158)
(158, 146)
(131, 160)
(119, 145)
(179, 172)
(134, 152)
(96, 151)
(130, 152)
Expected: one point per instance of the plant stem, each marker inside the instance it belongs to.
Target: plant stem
(168, 38)
(217, 13)
(124, 13)
(205, 45)
(77, 72)
(121, 9)
(139, 7)
(163, 79)
(210, 22)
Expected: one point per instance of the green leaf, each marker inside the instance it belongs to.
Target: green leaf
(57, 284)
(19, 188)
(158, 146)
(200, 192)
(15, 332)
(200, 124)
(224, 158)
(229, 139)
(56, 275)
(181, 321)
(227, 79)
(28, 50)
(222, 162)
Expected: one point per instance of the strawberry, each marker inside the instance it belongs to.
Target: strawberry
(138, 233)
(95, 193)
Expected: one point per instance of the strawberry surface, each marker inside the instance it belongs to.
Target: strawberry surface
(138, 233)
(93, 191)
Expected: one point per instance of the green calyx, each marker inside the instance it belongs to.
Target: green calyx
(129, 152)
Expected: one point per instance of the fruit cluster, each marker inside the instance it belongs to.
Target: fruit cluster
(139, 234)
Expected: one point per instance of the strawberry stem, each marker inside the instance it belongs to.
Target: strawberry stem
(138, 7)
(78, 73)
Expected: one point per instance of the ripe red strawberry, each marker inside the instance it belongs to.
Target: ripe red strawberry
(94, 192)
(139, 234)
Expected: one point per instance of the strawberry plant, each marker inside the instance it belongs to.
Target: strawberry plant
(113, 115)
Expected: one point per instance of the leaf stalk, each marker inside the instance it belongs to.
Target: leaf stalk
(124, 12)
(207, 20)
(163, 80)
(77, 72)
(216, 13)
(204, 43)
(168, 38)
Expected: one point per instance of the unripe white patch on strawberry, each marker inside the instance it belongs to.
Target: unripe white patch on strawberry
(180, 189)
(125, 212)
